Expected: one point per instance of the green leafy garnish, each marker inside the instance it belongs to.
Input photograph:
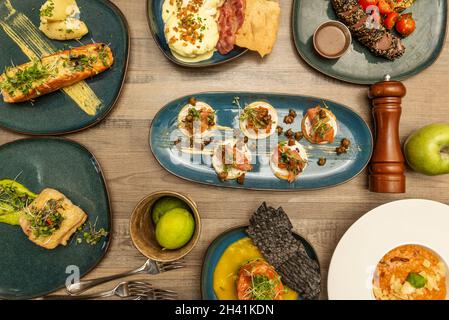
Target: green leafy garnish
(90, 234)
(23, 79)
(263, 288)
(82, 62)
(104, 56)
(253, 116)
(13, 199)
(194, 113)
(47, 11)
(13, 196)
(46, 220)
(416, 280)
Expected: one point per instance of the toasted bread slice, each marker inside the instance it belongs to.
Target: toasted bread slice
(72, 218)
(51, 73)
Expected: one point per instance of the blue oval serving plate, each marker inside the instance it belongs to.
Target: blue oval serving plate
(154, 14)
(218, 247)
(358, 65)
(56, 113)
(197, 168)
(29, 271)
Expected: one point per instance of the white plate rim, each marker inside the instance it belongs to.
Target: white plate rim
(350, 279)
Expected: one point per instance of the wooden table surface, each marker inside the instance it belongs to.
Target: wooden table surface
(120, 143)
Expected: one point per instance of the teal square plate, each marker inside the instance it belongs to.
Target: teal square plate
(29, 271)
(338, 169)
(154, 14)
(219, 246)
(56, 113)
(358, 65)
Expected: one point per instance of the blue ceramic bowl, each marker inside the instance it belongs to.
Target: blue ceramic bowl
(219, 246)
(338, 169)
(154, 13)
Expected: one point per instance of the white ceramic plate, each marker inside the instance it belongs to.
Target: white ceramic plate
(420, 222)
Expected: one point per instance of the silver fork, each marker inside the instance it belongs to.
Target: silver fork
(133, 289)
(149, 267)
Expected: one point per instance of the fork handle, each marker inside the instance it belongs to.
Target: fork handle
(79, 287)
(81, 297)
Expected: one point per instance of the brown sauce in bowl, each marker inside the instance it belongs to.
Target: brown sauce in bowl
(331, 40)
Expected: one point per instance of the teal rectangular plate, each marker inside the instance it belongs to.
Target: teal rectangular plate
(338, 170)
(56, 113)
(358, 65)
(29, 271)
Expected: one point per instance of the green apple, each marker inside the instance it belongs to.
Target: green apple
(427, 150)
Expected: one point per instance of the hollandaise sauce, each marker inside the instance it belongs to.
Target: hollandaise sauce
(226, 273)
(191, 28)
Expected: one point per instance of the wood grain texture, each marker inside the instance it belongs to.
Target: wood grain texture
(121, 144)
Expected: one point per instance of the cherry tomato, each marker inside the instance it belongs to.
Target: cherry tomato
(385, 7)
(406, 24)
(366, 3)
(390, 20)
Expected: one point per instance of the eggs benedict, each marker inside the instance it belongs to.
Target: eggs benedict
(191, 29)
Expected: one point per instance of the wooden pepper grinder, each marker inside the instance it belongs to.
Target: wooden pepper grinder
(387, 168)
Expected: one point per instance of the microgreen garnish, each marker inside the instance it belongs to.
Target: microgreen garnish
(46, 220)
(90, 234)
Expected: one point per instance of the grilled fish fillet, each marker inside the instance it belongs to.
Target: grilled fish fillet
(73, 218)
(53, 72)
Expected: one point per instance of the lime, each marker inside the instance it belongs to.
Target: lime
(175, 228)
(165, 204)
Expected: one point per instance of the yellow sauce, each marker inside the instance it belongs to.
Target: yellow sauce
(226, 272)
(198, 58)
(60, 20)
(23, 32)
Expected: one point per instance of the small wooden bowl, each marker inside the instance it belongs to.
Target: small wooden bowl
(142, 228)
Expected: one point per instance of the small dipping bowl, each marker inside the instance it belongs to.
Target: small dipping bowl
(332, 39)
(143, 231)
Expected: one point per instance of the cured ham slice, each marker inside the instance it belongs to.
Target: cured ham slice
(232, 15)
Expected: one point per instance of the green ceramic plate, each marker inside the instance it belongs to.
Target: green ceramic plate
(358, 65)
(30, 271)
(57, 113)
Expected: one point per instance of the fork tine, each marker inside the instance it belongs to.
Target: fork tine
(136, 284)
(140, 284)
(161, 296)
(166, 294)
(171, 266)
(162, 265)
(166, 291)
(142, 288)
